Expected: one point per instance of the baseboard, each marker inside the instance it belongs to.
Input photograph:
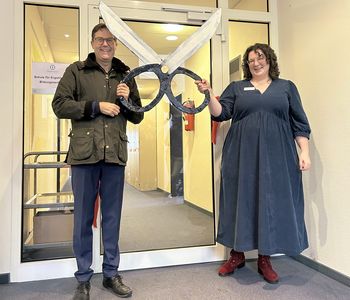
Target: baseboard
(202, 210)
(5, 278)
(323, 269)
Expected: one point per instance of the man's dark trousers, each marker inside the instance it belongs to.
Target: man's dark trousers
(87, 181)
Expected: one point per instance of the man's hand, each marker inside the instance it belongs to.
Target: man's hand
(109, 109)
(123, 91)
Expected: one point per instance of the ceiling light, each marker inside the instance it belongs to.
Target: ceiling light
(172, 27)
(171, 37)
(66, 35)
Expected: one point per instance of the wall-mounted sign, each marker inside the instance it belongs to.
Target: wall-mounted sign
(45, 77)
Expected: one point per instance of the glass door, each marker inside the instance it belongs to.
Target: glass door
(47, 205)
(168, 203)
(172, 179)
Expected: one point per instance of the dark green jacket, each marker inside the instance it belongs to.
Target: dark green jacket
(95, 136)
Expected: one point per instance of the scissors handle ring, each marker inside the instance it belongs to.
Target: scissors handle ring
(179, 105)
(155, 68)
(165, 88)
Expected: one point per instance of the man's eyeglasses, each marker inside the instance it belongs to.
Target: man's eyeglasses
(261, 57)
(100, 41)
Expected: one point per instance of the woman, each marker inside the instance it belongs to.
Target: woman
(261, 194)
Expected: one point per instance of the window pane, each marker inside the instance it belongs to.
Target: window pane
(242, 35)
(256, 5)
(50, 44)
(168, 203)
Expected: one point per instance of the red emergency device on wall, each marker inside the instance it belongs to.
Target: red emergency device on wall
(189, 118)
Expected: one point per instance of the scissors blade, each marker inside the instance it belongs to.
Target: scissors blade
(193, 43)
(128, 37)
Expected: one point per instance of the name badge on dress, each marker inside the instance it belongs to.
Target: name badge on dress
(249, 88)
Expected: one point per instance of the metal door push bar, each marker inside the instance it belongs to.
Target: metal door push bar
(165, 88)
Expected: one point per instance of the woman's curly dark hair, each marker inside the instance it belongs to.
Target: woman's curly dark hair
(271, 59)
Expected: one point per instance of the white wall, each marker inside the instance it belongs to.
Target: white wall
(314, 42)
(6, 120)
(314, 47)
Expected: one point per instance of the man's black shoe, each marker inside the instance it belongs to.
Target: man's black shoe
(83, 291)
(116, 285)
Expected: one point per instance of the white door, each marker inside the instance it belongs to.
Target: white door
(168, 211)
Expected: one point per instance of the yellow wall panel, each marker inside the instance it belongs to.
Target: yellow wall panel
(197, 144)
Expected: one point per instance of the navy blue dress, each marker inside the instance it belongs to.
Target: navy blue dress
(261, 193)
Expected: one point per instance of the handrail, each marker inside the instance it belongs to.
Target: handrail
(36, 196)
(38, 153)
(32, 203)
(46, 245)
(35, 165)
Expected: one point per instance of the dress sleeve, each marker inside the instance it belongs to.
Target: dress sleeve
(227, 100)
(298, 120)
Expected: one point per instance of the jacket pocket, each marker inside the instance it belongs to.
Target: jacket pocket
(81, 143)
(123, 147)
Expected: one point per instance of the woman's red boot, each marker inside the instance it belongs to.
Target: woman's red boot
(236, 260)
(265, 269)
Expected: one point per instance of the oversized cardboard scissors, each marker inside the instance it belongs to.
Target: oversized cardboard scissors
(165, 69)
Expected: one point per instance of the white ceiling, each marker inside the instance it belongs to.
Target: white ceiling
(57, 22)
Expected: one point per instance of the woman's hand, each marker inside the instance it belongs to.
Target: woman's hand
(214, 105)
(123, 91)
(304, 161)
(203, 85)
(304, 157)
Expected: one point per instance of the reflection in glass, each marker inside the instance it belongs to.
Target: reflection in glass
(168, 198)
(47, 197)
(255, 5)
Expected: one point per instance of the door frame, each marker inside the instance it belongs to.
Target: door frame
(89, 15)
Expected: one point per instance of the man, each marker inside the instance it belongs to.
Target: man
(88, 94)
